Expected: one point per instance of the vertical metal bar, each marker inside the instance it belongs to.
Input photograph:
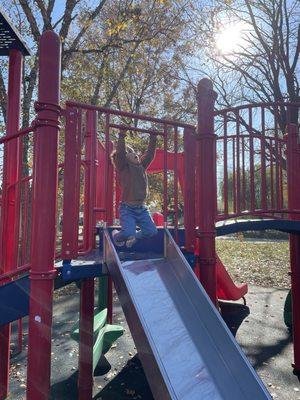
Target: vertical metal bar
(243, 175)
(189, 188)
(206, 202)
(108, 217)
(238, 172)
(233, 175)
(110, 300)
(293, 180)
(108, 204)
(225, 186)
(71, 195)
(263, 188)
(10, 176)
(176, 183)
(280, 176)
(276, 157)
(25, 224)
(271, 174)
(87, 206)
(165, 177)
(42, 271)
(18, 207)
(86, 324)
(252, 187)
(20, 335)
(116, 196)
(92, 215)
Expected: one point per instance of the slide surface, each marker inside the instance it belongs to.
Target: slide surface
(185, 347)
(226, 288)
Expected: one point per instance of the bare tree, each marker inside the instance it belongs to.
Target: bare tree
(265, 65)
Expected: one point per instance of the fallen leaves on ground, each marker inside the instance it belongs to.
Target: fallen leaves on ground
(256, 262)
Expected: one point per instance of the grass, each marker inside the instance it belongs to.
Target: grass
(254, 262)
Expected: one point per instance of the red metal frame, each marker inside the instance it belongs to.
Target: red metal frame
(293, 178)
(86, 340)
(42, 271)
(105, 205)
(271, 152)
(207, 199)
(8, 204)
(84, 156)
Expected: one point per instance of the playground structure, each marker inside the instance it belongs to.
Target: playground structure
(277, 204)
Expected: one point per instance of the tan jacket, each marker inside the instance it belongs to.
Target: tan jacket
(133, 177)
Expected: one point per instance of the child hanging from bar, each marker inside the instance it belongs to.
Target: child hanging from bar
(134, 185)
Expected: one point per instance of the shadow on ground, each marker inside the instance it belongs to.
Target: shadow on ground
(233, 315)
(130, 383)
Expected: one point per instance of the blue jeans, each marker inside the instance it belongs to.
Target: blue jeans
(132, 216)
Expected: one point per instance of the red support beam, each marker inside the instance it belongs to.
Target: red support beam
(293, 180)
(72, 189)
(43, 235)
(90, 181)
(8, 207)
(189, 140)
(109, 174)
(207, 198)
(85, 377)
(165, 177)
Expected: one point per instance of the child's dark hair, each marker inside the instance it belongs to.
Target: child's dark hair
(114, 152)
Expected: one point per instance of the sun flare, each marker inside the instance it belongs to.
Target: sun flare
(230, 37)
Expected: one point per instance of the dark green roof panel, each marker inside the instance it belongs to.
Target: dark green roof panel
(10, 37)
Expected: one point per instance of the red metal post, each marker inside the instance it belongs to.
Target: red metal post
(263, 162)
(109, 300)
(225, 185)
(10, 176)
(109, 175)
(72, 164)
(234, 176)
(251, 156)
(175, 186)
(90, 181)
(207, 187)
(20, 335)
(189, 139)
(44, 218)
(277, 159)
(85, 378)
(293, 179)
(243, 175)
(165, 177)
(238, 166)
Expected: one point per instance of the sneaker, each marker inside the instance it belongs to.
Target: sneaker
(117, 243)
(130, 241)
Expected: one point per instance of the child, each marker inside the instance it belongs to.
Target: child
(134, 184)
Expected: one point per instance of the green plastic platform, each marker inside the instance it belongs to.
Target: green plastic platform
(104, 335)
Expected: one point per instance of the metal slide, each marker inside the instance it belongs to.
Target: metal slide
(185, 347)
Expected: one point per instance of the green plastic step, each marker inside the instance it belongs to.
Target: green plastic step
(100, 318)
(104, 335)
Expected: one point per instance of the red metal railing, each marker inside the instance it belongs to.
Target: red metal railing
(90, 144)
(251, 160)
(16, 201)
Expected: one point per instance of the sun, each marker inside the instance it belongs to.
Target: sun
(230, 37)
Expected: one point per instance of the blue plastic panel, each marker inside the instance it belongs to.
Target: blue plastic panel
(14, 300)
(151, 245)
(73, 272)
(283, 225)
